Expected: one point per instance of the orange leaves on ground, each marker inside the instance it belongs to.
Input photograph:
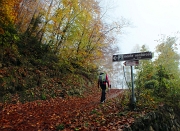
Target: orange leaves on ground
(70, 114)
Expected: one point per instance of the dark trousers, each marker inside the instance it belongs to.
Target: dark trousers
(103, 95)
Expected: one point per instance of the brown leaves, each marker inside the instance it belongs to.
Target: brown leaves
(70, 114)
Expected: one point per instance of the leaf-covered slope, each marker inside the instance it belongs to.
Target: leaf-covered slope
(70, 114)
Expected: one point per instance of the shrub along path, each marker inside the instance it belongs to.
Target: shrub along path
(73, 113)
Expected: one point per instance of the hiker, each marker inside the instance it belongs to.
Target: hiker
(102, 81)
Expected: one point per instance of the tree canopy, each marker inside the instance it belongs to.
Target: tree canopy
(64, 37)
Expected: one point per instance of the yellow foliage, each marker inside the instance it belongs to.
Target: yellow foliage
(9, 10)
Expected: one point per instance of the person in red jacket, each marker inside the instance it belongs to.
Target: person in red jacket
(102, 84)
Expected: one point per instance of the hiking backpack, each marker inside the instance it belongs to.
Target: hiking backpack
(102, 77)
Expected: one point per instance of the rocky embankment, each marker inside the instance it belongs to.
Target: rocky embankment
(165, 118)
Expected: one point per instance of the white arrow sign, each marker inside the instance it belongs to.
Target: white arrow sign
(115, 58)
(131, 63)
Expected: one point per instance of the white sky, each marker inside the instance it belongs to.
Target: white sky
(150, 20)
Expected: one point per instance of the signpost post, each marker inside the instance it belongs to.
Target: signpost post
(132, 60)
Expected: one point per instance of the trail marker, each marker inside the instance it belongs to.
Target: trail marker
(132, 59)
(132, 56)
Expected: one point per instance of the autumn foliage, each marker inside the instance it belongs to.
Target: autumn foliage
(43, 40)
(50, 53)
(9, 10)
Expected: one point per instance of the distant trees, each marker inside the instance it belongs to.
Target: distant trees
(160, 77)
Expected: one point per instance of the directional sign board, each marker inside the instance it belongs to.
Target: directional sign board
(131, 63)
(132, 56)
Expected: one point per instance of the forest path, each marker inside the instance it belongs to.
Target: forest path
(52, 114)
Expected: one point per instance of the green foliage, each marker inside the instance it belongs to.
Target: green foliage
(147, 99)
(60, 127)
(94, 111)
(168, 56)
(160, 77)
(6, 97)
(151, 84)
(43, 96)
(8, 31)
(164, 82)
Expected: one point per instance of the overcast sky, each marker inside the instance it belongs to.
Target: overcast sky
(150, 19)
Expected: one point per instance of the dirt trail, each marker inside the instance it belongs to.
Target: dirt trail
(113, 93)
(44, 115)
